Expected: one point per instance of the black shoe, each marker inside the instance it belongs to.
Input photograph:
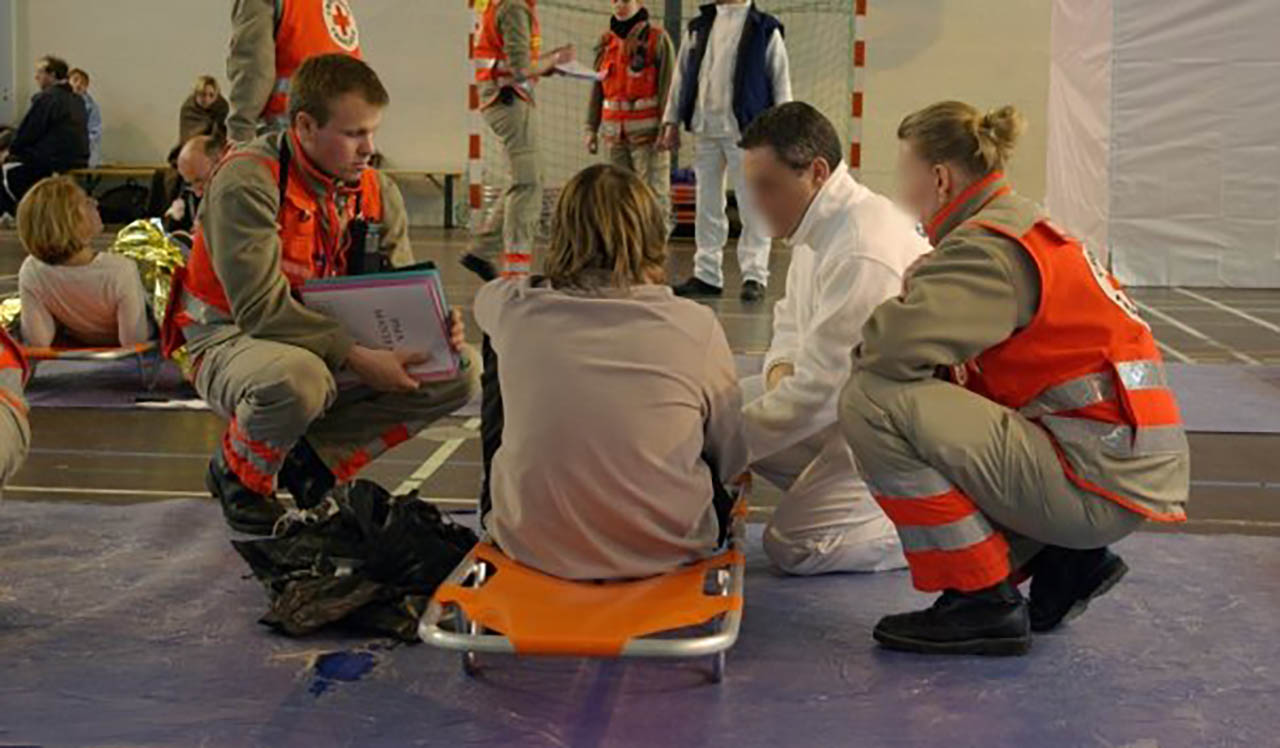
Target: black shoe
(245, 511)
(1064, 581)
(696, 288)
(306, 476)
(993, 621)
(752, 292)
(480, 266)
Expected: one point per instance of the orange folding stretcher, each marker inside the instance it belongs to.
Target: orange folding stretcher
(498, 605)
(146, 354)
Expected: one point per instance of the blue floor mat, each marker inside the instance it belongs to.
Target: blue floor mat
(133, 625)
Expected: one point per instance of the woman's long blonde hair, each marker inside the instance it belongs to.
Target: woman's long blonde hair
(608, 230)
(51, 223)
(956, 132)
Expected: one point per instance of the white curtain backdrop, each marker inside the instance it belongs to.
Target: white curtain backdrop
(1164, 142)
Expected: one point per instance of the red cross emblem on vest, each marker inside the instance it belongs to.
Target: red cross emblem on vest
(341, 24)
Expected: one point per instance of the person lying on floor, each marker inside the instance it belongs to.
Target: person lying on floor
(70, 292)
(849, 250)
(15, 432)
(1052, 431)
(622, 411)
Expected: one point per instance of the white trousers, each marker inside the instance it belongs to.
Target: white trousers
(827, 520)
(712, 158)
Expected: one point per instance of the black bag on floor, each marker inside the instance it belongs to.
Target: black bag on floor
(124, 204)
(364, 559)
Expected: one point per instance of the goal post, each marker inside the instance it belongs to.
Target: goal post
(825, 45)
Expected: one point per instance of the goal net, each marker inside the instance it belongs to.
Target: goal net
(820, 39)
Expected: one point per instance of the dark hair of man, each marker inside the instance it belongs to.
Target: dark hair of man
(322, 79)
(55, 66)
(798, 133)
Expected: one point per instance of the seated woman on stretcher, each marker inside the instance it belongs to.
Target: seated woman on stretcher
(70, 292)
(618, 397)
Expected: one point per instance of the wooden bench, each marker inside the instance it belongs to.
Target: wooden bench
(445, 181)
(91, 178)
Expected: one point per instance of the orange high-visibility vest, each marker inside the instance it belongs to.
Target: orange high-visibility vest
(307, 250)
(630, 67)
(489, 53)
(1087, 367)
(307, 28)
(13, 373)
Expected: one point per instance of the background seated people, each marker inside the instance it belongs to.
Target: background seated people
(53, 136)
(204, 112)
(196, 161)
(618, 397)
(79, 81)
(849, 250)
(70, 292)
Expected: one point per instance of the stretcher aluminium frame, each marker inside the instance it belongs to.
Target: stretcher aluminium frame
(146, 355)
(725, 572)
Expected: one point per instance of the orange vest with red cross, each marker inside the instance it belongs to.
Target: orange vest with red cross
(489, 49)
(1086, 367)
(631, 110)
(304, 29)
(310, 248)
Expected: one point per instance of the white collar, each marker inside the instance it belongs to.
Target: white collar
(828, 213)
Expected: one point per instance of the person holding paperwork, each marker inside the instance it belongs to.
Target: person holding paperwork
(279, 211)
(508, 62)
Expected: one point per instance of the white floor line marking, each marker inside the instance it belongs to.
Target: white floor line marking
(1193, 332)
(1184, 358)
(152, 493)
(1273, 327)
(435, 460)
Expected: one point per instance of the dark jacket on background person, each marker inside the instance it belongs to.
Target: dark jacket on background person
(54, 135)
(195, 120)
(753, 90)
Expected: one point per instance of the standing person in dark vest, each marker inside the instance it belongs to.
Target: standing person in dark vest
(732, 66)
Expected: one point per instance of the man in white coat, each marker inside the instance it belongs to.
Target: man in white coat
(850, 249)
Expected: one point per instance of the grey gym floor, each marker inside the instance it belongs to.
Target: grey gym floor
(109, 456)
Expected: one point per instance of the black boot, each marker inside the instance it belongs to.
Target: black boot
(480, 266)
(306, 476)
(992, 621)
(245, 510)
(1063, 581)
(696, 288)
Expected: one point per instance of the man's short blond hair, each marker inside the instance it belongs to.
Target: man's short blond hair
(50, 222)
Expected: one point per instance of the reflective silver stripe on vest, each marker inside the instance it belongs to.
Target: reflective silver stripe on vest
(921, 483)
(201, 313)
(619, 105)
(1118, 440)
(954, 536)
(282, 86)
(1095, 388)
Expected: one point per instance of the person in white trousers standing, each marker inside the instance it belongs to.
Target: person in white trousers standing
(732, 66)
(850, 249)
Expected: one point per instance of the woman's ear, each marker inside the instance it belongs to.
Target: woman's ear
(942, 183)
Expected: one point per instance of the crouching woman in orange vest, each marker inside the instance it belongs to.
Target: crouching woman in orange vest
(15, 432)
(1010, 410)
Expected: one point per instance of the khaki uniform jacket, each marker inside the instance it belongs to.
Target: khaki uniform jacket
(251, 65)
(515, 23)
(238, 216)
(975, 290)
